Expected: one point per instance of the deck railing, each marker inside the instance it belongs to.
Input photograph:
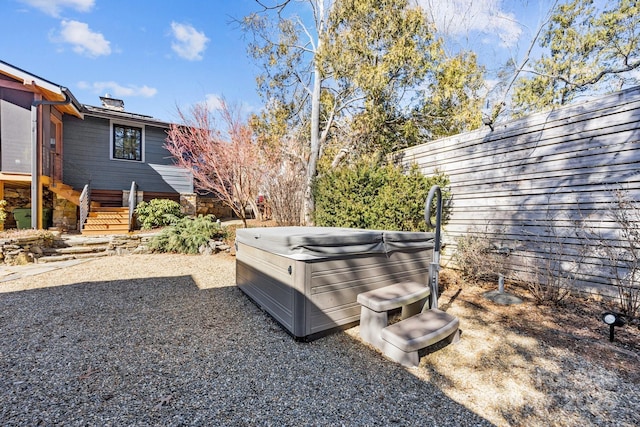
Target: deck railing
(85, 204)
(133, 198)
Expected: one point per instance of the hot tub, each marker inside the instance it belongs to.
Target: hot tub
(308, 278)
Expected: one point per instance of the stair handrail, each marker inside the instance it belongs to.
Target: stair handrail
(85, 205)
(133, 198)
(52, 167)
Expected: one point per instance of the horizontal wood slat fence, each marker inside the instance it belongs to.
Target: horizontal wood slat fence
(536, 184)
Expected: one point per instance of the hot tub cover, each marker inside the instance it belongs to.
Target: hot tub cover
(329, 242)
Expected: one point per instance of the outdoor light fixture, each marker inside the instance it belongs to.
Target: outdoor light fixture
(613, 320)
(488, 121)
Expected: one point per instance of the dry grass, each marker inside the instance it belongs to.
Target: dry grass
(535, 365)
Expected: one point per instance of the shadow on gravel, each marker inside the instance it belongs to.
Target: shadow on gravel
(162, 352)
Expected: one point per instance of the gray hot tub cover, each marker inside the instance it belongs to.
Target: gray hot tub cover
(330, 242)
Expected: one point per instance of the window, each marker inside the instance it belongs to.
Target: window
(127, 142)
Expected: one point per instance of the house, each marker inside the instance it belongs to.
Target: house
(76, 166)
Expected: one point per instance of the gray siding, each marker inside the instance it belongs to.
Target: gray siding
(87, 159)
(529, 183)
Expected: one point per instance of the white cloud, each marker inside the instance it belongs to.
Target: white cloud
(118, 90)
(83, 40)
(213, 102)
(189, 43)
(53, 7)
(459, 17)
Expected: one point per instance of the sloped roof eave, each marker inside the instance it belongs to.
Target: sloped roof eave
(105, 113)
(49, 90)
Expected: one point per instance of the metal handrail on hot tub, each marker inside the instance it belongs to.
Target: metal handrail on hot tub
(434, 267)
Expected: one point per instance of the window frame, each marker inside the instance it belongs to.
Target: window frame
(127, 124)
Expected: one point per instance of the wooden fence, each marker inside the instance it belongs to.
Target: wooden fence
(539, 184)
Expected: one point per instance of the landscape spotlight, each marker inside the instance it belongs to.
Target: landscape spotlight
(613, 320)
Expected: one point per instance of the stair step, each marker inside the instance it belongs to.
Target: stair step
(111, 209)
(108, 215)
(102, 232)
(106, 227)
(107, 220)
(58, 184)
(69, 193)
(54, 258)
(75, 250)
(74, 240)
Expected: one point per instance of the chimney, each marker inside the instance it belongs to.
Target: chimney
(112, 103)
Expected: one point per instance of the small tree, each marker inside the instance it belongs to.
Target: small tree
(480, 256)
(284, 183)
(224, 160)
(621, 250)
(555, 268)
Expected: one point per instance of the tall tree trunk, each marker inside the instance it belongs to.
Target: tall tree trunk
(312, 166)
(314, 154)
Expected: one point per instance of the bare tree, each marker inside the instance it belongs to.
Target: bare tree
(553, 267)
(285, 182)
(223, 159)
(620, 248)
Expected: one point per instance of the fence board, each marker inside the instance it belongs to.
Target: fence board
(541, 180)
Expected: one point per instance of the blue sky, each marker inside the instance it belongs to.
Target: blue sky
(156, 55)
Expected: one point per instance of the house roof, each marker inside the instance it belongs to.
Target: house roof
(54, 92)
(49, 90)
(109, 113)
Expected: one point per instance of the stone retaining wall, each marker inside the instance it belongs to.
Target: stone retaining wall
(48, 247)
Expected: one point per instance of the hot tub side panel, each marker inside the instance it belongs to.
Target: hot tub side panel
(332, 286)
(275, 283)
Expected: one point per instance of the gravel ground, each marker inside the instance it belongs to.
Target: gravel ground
(169, 340)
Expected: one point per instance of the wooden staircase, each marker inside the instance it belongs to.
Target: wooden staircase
(107, 221)
(101, 220)
(67, 191)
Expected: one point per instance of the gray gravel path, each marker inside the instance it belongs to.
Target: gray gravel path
(169, 340)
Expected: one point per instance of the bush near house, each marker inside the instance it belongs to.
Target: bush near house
(187, 235)
(375, 197)
(158, 213)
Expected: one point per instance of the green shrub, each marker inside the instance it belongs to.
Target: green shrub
(187, 235)
(374, 197)
(158, 213)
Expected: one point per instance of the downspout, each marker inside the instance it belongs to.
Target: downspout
(35, 170)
